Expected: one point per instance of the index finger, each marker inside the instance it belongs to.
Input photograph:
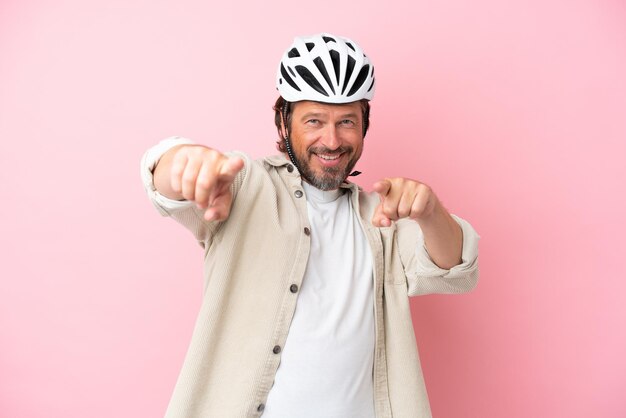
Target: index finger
(230, 167)
(382, 187)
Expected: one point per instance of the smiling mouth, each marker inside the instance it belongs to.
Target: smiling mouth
(329, 157)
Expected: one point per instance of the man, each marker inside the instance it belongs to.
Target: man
(307, 277)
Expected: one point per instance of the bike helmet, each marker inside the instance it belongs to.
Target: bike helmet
(325, 68)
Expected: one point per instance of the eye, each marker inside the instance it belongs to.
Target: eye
(347, 122)
(313, 122)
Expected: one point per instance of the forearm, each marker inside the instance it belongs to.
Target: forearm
(162, 175)
(443, 237)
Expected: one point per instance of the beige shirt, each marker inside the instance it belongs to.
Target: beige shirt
(253, 268)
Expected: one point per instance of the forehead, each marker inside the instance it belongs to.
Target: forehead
(305, 107)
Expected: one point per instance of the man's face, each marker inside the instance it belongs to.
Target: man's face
(327, 140)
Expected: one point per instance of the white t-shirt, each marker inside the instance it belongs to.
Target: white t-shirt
(326, 363)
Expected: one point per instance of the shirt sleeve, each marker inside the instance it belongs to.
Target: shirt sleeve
(184, 211)
(164, 205)
(425, 277)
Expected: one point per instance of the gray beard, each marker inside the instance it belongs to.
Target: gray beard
(330, 179)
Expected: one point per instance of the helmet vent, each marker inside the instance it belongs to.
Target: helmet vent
(349, 70)
(310, 79)
(360, 79)
(334, 57)
(325, 68)
(287, 78)
(320, 66)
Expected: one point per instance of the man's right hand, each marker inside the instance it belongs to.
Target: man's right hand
(199, 174)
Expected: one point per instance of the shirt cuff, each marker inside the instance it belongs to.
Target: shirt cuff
(150, 159)
(469, 256)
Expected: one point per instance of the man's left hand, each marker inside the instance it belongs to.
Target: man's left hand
(406, 198)
(403, 198)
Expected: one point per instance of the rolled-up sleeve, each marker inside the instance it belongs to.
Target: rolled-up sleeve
(184, 211)
(425, 277)
(164, 205)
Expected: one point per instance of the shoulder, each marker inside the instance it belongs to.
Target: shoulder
(276, 161)
(258, 174)
(267, 163)
(252, 165)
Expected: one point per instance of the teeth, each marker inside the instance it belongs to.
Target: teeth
(328, 157)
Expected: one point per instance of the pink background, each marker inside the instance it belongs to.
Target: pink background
(514, 113)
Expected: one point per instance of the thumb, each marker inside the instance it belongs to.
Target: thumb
(220, 207)
(379, 219)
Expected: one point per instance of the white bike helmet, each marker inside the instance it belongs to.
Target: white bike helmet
(325, 68)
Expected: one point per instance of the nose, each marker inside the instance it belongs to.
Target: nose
(331, 139)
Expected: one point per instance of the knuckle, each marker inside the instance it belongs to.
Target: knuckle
(201, 196)
(177, 169)
(417, 212)
(189, 177)
(196, 149)
(210, 153)
(188, 183)
(180, 155)
(403, 212)
(200, 152)
(391, 214)
(203, 183)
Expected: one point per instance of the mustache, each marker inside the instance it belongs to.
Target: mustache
(328, 151)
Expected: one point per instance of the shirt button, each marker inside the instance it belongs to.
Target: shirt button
(307, 231)
(298, 193)
(293, 288)
(289, 168)
(260, 408)
(276, 349)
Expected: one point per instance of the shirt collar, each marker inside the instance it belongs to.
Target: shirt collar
(323, 196)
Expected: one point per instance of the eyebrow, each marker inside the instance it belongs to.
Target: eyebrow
(319, 115)
(311, 114)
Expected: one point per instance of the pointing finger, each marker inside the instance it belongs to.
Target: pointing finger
(379, 219)
(382, 187)
(230, 167)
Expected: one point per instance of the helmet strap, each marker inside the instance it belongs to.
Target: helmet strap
(292, 157)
